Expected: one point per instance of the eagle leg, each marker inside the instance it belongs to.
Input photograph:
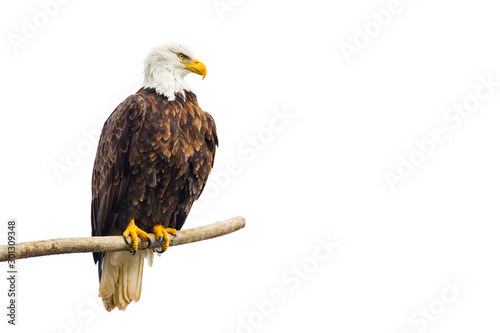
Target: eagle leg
(135, 233)
(162, 236)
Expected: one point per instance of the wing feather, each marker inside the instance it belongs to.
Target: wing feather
(111, 173)
(211, 139)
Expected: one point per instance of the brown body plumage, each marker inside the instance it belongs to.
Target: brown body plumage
(152, 163)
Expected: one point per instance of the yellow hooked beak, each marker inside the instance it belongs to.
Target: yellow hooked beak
(196, 67)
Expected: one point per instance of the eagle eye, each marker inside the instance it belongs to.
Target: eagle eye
(182, 56)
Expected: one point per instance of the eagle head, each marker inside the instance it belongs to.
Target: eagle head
(166, 66)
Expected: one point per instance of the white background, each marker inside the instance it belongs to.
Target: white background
(320, 177)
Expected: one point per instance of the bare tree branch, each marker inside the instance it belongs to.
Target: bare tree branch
(116, 243)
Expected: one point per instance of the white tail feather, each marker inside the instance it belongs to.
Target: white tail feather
(121, 279)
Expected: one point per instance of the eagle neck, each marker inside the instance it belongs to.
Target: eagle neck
(165, 81)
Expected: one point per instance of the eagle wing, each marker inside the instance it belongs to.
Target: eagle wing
(205, 165)
(111, 174)
(211, 139)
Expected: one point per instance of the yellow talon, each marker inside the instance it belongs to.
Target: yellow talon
(135, 233)
(162, 235)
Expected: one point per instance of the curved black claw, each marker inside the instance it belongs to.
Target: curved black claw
(133, 252)
(160, 250)
(149, 243)
(126, 240)
(160, 241)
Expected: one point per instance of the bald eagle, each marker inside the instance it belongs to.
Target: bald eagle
(154, 156)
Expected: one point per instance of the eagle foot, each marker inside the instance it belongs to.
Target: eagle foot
(162, 236)
(135, 233)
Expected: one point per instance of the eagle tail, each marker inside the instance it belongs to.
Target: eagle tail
(121, 278)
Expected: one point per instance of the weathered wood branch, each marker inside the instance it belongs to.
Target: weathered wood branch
(116, 243)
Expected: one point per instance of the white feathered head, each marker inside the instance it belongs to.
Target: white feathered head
(166, 66)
